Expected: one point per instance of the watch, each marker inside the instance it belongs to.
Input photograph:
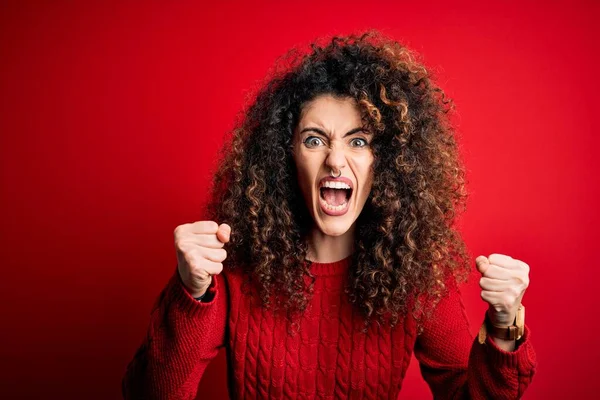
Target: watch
(510, 332)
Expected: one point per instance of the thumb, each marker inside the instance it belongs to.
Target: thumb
(223, 233)
(482, 264)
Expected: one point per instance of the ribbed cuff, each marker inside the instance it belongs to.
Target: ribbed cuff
(179, 295)
(522, 357)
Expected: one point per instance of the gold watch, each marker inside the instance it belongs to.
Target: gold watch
(510, 332)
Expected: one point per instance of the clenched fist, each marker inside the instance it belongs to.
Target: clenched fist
(200, 253)
(503, 283)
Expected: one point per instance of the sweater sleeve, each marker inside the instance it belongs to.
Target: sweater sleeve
(456, 366)
(183, 336)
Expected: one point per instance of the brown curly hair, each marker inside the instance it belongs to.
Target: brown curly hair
(406, 245)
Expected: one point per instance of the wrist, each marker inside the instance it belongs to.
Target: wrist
(514, 331)
(505, 344)
(199, 298)
(196, 293)
(501, 319)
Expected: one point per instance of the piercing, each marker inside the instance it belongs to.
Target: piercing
(331, 173)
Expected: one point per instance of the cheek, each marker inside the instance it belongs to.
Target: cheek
(366, 188)
(366, 174)
(304, 175)
(306, 165)
(302, 169)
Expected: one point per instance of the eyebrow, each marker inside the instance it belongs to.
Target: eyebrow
(322, 132)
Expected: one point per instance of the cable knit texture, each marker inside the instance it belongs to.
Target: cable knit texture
(327, 356)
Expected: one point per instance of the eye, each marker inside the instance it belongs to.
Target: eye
(361, 142)
(312, 141)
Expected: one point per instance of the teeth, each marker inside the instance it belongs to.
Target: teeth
(335, 185)
(334, 208)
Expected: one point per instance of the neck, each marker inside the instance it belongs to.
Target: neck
(323, 248)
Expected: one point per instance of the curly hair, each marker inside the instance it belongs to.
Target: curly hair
(406, 244)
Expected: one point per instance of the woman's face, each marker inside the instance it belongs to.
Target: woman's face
(328, 137)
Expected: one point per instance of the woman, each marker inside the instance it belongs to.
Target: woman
(328, 254)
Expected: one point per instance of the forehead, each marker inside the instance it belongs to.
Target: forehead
(331, 112)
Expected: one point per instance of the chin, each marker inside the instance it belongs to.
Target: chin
(334, 226)
(330, 230)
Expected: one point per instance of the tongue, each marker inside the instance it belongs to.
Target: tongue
(334, 197)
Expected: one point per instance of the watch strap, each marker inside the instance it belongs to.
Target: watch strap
(511, 332)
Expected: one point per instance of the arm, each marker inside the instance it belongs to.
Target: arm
(183, 337)
(456, 366)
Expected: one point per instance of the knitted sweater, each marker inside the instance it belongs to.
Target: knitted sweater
(329, 357)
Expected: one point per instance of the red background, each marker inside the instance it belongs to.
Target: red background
(110, 117)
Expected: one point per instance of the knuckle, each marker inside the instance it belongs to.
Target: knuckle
(196, 260)
(202, 252)
(501, 259)
(199, 268)
(219, 268)
(494, 258)
(192, 266)
(211, 226)
(189, 248)
(177, 231)
(177, 243)
(523, 280)
(181, 233)
(181, 246)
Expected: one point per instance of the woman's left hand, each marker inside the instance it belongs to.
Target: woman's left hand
(503, 283)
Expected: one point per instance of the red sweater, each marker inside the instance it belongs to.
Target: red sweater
(329, 357)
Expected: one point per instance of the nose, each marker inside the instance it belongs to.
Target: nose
(336, 159)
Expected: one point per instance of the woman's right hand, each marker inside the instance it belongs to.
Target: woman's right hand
(200, 253)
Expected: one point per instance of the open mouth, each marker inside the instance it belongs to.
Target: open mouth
(335, 199)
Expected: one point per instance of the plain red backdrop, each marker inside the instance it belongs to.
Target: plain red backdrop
(111, 114)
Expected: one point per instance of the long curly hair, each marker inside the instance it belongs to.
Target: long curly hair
(406, 244)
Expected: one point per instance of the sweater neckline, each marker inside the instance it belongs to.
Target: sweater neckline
(338, 267)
